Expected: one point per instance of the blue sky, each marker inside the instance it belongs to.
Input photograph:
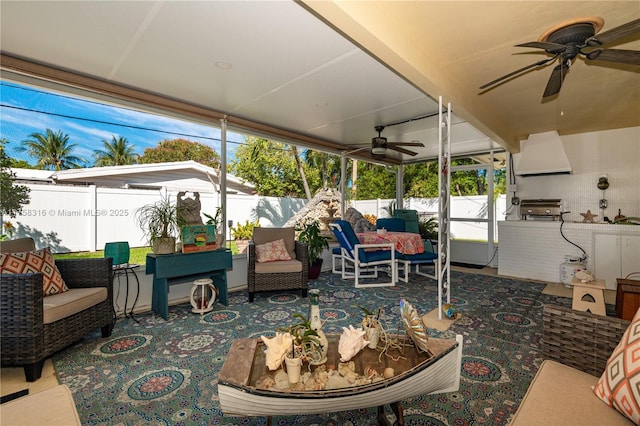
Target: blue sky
(25, 110)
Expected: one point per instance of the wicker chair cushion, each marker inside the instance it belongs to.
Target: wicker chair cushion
(279, 267)
(618, 385)
(264, 235)
(71, 302)
(35, 261)
(272, 251)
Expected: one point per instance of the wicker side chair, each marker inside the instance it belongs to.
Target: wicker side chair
(279, 275)
(26, 340)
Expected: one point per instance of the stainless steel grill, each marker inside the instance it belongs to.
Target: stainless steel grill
(540, 209)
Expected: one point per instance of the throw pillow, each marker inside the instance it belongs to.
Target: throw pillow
(35, 261)
(272, 251)
(619, 385)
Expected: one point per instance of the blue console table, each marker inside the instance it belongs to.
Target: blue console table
(176, 268)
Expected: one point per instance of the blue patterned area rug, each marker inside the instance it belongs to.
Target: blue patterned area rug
(159, 372)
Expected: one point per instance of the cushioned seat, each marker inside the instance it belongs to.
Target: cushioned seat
(407, 260)
(275, 275)
(391, 224)
(363, 260)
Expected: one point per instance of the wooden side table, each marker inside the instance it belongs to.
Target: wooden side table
(589, 297)
(627, 298)
(168, 269)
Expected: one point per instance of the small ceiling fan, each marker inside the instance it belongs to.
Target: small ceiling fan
(577, 37)
(379, 144)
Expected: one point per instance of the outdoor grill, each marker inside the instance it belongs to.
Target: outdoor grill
(540, 209)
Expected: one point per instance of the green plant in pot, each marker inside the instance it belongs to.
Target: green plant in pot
(161, 223)
(216, 221)
(311, 235)
(242, 233)
(306, 341)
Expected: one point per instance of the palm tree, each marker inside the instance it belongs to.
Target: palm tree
(117, 152)
(51, 150)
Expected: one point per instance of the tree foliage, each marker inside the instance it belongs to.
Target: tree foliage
(171, 150)
(117, 152)
(375, 181)
(13, 196)
(52, 150)
(272, 168)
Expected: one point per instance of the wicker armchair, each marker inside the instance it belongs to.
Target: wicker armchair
(580, 339)
(26, 340)
(280, 275)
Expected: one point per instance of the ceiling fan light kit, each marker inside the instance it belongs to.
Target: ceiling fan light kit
(569, 39)
(379, 146)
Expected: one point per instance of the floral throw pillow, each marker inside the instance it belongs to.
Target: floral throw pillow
(272, 251)
(619, 385)
(35, 261)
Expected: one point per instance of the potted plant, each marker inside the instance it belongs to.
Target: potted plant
(242, 234)
(216, 221)
(316, 243)
(307, 344)
(429, 229)
(160, 223)
(371, 325)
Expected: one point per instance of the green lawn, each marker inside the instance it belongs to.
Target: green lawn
(138, 254)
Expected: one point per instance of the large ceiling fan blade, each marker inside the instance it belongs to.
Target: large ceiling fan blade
(623, 30)
(555, 81)
(413, 143)
(615, 55)
(549, 47)
(402, 150)
(511, 74)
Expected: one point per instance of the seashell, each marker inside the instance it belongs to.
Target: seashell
(351, 342)
(584, 276)
(345, 368)
(413, 325)
(277, 348)
(388, 372)
(370, 372)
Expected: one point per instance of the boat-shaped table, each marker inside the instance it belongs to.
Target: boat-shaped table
(416, 373)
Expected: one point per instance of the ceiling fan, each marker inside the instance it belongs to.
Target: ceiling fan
(379, 145)
(569, 39)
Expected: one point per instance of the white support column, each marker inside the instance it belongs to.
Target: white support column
(343, 183)
(444, 198)
(400, 187)
(223, 173)
(491, 233)
(92, 233)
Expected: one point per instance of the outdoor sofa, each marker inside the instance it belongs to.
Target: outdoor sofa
(576, 347)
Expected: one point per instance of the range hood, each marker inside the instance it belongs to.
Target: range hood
(543, 154)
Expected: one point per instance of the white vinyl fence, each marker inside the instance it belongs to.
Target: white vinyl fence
(84, 218)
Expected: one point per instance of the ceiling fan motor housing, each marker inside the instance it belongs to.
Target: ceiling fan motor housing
(378, 145)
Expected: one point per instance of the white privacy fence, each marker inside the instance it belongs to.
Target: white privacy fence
(473, 209)
(84, 218)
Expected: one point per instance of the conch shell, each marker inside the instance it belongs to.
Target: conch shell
(277, 348)
(584, 276)
(351, 342)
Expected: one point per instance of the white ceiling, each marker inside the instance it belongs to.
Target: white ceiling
(292, 71)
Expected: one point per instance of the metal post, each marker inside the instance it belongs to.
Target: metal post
(223, 175)
(444, 197)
